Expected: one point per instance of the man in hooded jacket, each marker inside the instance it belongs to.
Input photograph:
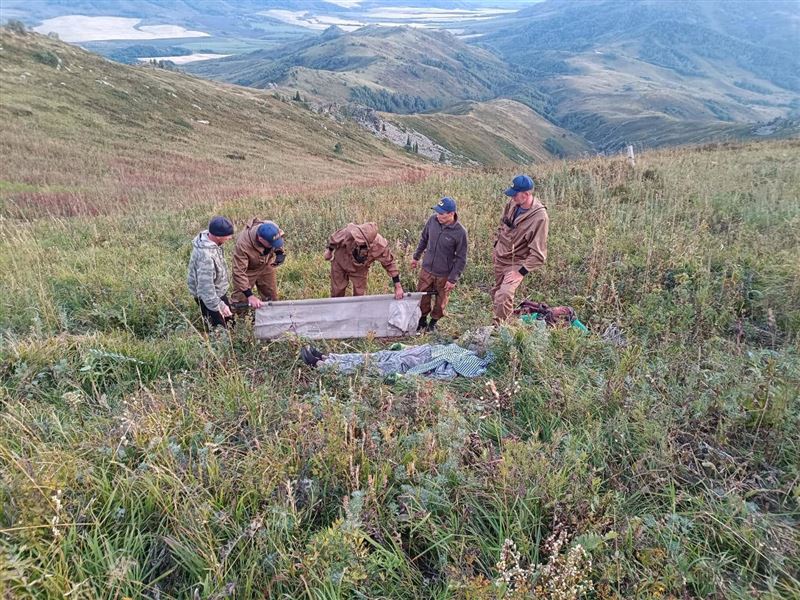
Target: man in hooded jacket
(351, 251)
(520, 245)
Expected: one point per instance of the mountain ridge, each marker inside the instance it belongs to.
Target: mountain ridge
(396, 60)
(608, 64)
(650, 74)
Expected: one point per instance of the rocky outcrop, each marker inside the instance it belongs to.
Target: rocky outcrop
(399, 135)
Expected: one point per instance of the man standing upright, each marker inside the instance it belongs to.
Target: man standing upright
(258, 251)
(444, 245)
(520, 244)
(208, 276)
(351, 251)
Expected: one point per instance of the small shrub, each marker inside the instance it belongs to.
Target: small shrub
(16, 26)
(554, 147)
(47, 58)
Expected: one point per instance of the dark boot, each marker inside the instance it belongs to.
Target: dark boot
(423, 322)
(432, 325)
(309, 357)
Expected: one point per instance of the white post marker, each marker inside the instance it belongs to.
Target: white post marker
(631, 157)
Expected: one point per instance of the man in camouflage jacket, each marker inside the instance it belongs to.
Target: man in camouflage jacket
(208, 276)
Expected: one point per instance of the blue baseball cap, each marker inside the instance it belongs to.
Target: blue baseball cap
(521, 183)
(446, 205)
(272, 233)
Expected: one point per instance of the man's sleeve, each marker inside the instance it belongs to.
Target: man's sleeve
(461, 259)
(499, 227)
(337, 239)
(386, 258)
(423, 242)
(206, 290)
(537, 246)
(240, 263)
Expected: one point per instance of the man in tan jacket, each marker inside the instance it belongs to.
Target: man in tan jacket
(258, 250)
(351, 251)
(520, 245)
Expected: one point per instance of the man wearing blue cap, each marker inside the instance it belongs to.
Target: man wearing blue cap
(520, 244)
(258, 250)
(444, 245)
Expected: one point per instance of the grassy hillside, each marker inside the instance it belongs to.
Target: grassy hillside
(653, 72)
(142, 459)
(497, 133)
(82, 135)
(400, 69)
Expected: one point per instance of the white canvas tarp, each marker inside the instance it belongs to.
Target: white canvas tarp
(339, 318)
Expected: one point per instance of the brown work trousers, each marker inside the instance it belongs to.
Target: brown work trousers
(428, 282)
(266, 282)
(503, 292)
(341, 278)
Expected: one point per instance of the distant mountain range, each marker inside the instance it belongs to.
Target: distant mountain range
(651, 71)
(600, 73)
(395, 69)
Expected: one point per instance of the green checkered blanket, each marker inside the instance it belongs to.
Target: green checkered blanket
(464, 362)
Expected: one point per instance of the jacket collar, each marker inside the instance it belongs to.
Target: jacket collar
(535, 208)
(450, 226)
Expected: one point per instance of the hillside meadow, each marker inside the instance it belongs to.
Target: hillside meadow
(141, 458)
(82, 135)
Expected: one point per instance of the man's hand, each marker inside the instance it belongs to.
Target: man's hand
(225, 310)
(279, 258)
(398, 291)
(414, 263)
(513, 277)
(328, 254)
(254, 302)
(449, 286)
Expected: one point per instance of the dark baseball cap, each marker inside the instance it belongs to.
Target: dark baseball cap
(521, 183)
(445, 205)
